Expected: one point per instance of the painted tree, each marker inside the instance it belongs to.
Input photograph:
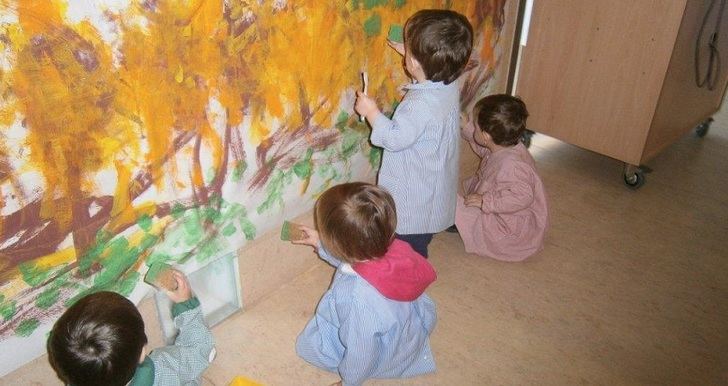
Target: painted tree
(134, 141)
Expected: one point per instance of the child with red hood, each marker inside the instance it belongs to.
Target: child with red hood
(375, 320)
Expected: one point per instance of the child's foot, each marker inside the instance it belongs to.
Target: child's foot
(452, 229)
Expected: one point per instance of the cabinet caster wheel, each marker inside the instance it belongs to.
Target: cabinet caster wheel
(702, 129)
(526, 138)
(635, 180)
(634, 176)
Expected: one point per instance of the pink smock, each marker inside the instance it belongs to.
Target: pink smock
(512, 221)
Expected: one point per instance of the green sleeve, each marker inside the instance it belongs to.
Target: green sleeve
(144, 375)
(187, 305)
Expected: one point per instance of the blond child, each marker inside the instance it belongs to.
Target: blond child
(375, 320)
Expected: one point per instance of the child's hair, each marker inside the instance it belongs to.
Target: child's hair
(356, 221)
(97, 341)
(503, 117)
(441, 41)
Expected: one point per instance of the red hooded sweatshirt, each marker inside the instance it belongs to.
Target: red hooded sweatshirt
(401, 274)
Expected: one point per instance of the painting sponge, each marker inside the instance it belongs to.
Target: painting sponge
(161, 275)
(291, 232)
(395, 33)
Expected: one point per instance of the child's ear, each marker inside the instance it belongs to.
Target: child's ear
(414, 62)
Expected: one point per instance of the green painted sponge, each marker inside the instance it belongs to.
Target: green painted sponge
(396, 33)
(291, 231)
(161, 275)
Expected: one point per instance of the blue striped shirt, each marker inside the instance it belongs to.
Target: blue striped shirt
(360, 334)
(421, 152)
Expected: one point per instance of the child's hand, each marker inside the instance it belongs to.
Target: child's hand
(366, 106)
(468, 129)
(474, 200)
(183, 292)
(399, 47)
(464, 120)
(312, 237)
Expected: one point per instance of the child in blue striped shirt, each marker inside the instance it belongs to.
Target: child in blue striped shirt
(421, 142)
(375, 320)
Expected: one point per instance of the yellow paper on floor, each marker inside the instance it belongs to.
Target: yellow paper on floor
(242, 381)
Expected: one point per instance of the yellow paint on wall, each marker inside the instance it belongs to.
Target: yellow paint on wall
(282, 67)
(37, 17)
(121, 210)
(56, 259)
(49, 261)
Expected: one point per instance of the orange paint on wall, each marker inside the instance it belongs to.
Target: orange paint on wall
(65, 88)
(37, 17)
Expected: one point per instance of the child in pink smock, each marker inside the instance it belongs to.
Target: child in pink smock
(503, 212)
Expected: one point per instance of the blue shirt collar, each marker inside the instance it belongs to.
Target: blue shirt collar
(426, 85)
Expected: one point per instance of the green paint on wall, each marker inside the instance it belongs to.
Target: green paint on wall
(375, 157)
(158, 258)
(192, 227)
(178, 210)
(396, 34)
(210, 175)
(208, 249)
(326, 170)
(373, 25)
(350, 143)
(47, 298)
(128, 284)
(303, 168)
(145, 222)
(211, 215)
(189, 238)
(274, 190)
(7, 308)
(147, 242)
(341, 120)
(103, 236)
(121, 257)
(93, 255)
(216, 200)
(369, 4)
(229, 230)
(239, 170)
(235, 211)
(26, 327)
(248, 228)
(33, 275)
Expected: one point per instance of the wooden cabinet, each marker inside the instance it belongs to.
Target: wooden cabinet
(618, 77)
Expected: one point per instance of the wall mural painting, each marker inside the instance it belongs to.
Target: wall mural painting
(141, 131)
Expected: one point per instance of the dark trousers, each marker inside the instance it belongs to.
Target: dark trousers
(418, 241)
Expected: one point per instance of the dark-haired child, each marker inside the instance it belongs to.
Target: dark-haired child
(503, 214)
(375, 320)
(100, 340)
(421, 145)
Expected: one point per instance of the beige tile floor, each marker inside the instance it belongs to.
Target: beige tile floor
(632, 288)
